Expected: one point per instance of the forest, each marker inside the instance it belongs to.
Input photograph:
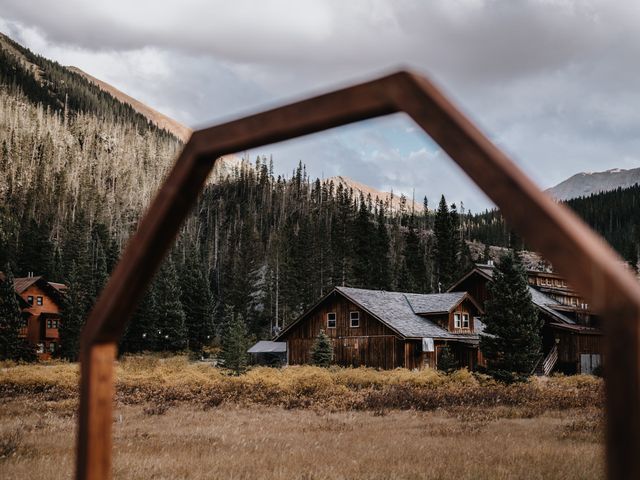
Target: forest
(78, 168)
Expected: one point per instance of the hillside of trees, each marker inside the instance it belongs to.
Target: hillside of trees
(78, 168)
(615, 215)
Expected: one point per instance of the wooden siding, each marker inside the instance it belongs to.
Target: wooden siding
(572, 345)
(370, 344)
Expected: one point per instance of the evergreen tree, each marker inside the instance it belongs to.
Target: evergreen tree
(172, 330)
(141, 333)
(235, 342)
(73, 316)
(12, 347)
(445, 246)
(512, 341)
(197, 301)
(447, 361)
(322, 350)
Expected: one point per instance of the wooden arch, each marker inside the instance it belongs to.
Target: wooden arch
(575, 250)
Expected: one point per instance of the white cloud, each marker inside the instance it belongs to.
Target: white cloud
(554, 83)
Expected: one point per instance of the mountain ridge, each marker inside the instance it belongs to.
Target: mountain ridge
(584, 184)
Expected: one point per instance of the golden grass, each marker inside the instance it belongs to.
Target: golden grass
(172, 380)
(188, 442)
(177, 420)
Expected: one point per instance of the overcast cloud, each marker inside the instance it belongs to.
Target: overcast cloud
(556, 83)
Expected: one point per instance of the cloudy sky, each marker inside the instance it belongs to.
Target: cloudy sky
(556, 83)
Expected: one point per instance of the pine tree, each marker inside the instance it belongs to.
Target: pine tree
(447, 361)
(197, 301)
(512, 341)
(322, 350)
(73, 316)
(445, 246)
(172, 330)
(12, 347)
(235, 342)
(141, 333)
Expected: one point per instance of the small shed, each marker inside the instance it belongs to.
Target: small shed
(270, 353)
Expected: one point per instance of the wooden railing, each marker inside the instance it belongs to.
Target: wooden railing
(550, 360)
(578, 254)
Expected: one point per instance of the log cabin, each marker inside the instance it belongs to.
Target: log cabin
(572, 341)
(41, 303)
(387, 330)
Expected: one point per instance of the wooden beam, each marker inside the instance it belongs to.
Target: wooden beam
(578, 253)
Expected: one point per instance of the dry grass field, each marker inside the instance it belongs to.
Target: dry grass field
(176, 420)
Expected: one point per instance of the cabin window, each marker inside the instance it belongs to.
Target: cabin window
(354, 318)
(54, 323)
(465, 320)
(39, 301)
(331, 320)
(456, 320)
(30, 299)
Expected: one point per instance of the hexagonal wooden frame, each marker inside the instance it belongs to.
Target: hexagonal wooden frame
(576, 251)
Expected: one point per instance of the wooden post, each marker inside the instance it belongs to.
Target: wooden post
(575, 250)
(96, 399)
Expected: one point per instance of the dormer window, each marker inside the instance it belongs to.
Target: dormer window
(465, 320)
(354, 319)
(30, 299)
(331, 320)
(39, 301)
(457, 322)
(460, 320)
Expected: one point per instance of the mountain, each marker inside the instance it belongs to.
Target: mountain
(587, 183)
(358, 188)
(162, 121)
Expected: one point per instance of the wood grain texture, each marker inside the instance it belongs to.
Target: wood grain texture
(581, 256)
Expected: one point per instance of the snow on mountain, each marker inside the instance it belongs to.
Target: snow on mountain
(586, 183)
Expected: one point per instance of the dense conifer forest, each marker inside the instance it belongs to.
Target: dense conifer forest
(614, 214)
(78, 168)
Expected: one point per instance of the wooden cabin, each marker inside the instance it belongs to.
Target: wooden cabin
(388, 330)
(571, 343)
(41, 308)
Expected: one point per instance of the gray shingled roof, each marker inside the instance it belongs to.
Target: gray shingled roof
(542, 301)
(400, 311)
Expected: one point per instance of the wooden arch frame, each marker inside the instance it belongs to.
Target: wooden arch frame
(574, 249)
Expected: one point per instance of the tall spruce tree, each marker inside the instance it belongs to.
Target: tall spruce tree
(445, 246)
(235, 342)
(512, 340)
(172, 330)
(12, 346)
(197, 301)
(141, 333)
(74, 310)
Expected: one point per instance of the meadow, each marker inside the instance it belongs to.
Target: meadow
(177, 420)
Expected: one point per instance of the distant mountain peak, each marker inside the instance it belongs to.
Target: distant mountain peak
(584, 184)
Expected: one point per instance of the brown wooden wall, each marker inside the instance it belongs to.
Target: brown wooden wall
(476, 286)
(572, 345)
(371, 344)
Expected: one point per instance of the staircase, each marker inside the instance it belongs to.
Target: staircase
(546, 364)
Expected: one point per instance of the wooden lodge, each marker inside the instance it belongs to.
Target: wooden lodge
(41, 304)
(571, 337)
(388, 329)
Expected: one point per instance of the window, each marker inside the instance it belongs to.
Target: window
(456, 320)
(49, 324)
(331, 320)
(465, 320)
(354, 318)
(39, 301)
(54, 323)
(30, 299)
